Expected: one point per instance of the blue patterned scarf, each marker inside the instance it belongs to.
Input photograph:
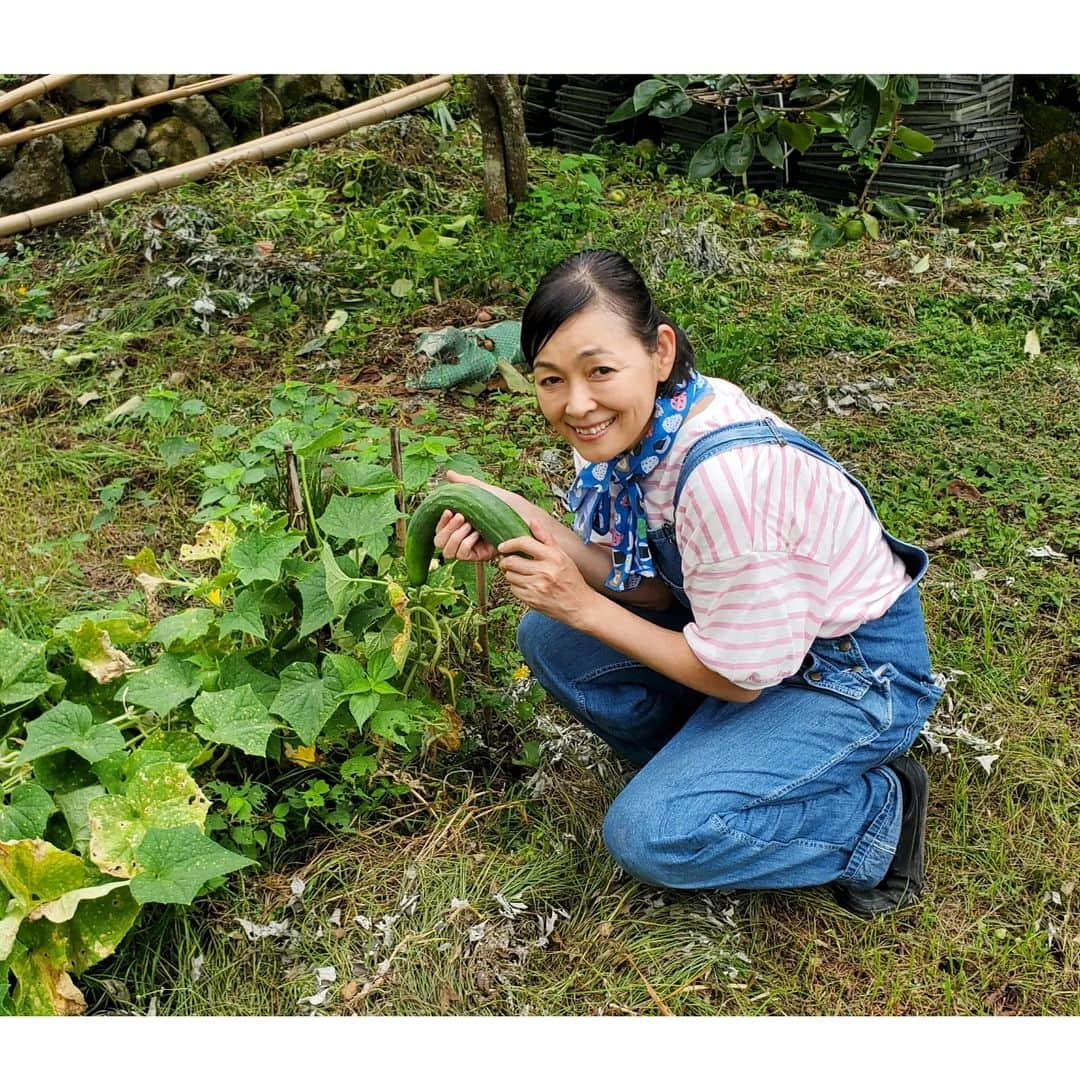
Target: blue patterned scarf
(606, 496)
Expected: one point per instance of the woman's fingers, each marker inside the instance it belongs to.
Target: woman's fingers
(457, 539)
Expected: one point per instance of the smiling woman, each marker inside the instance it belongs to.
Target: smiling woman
(727, 612)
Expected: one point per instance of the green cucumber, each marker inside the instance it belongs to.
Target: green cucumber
(487, 513)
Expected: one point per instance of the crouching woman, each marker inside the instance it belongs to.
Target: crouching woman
(727, 612)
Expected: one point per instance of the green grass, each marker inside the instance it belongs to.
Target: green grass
(977, 446)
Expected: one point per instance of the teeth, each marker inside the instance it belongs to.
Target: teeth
(595, 430)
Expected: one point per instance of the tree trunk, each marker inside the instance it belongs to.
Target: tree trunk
(504, 90)
(495, 201)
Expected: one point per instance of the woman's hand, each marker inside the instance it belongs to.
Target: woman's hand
(548, 580)
(457, 539)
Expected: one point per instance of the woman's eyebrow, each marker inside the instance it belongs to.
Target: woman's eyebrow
(585, 354)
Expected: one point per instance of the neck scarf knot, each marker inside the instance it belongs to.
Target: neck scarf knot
(607, 497)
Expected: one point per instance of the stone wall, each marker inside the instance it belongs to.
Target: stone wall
(92, 155)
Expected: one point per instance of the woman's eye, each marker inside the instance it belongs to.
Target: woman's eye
(602, 370)
(551, 380)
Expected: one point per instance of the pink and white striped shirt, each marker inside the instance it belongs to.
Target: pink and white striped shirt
(777, 548)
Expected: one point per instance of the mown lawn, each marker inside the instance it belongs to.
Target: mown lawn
(483, 887)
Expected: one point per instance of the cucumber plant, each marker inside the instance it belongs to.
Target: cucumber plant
(147, 750)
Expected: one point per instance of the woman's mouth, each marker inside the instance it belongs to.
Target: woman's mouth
(593, 432)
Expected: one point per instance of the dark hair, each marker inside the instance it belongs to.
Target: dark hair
(610, 279)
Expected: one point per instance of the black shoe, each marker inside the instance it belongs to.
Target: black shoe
(903, 881)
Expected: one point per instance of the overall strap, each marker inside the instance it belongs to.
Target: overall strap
(749, 433)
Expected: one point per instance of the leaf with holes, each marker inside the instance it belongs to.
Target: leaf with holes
(162, 795)
(163, 686)
(94, 652)
(177, 862)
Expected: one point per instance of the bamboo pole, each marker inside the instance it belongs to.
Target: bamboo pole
(325, 127)
(33, 89)
(121, 108)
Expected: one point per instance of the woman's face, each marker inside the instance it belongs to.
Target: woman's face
(596, 382)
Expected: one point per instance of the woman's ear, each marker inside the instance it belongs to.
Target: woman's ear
(667, 348)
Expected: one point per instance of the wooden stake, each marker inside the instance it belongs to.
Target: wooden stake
(121, 108)
(399, 475)
(326, 127)
(294, 497)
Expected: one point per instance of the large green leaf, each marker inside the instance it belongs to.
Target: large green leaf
(23, 676)
(915, 140)
(771, 149)
(305, 701)
(709, 157)
(363, 478)
(258, 557)
(739, 153)
(68, 726)
(860, 111)
(798, 135)
(163, 795)
(907, 88)
(360, 518)
(318, 610)
(235, 718)
(342, 590)
(63, 772)
(245, 618)
(236, 671)
(673, 102)
(75, 806)
(162, 687)
(177, 862)
(26, 813)
(186, 627)
(646, 91)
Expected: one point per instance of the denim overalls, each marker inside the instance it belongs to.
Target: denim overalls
(785, 791)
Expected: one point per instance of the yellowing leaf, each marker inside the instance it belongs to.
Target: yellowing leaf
(921, 266)
(211, 542)
(302, 755)
(1031, 343)
(96, 654)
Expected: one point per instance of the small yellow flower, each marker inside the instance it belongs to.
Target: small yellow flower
(521, 673)
(22, 290)
(214, 596)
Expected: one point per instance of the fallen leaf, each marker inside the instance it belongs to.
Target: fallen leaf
(921, 266)
(263, 248)
(85, 399)
(514, 379)
(348, 991)
(336, 321)
(124, 410)
(962, 489)
(1031, 343)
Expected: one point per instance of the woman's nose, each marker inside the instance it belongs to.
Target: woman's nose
(579, 401)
